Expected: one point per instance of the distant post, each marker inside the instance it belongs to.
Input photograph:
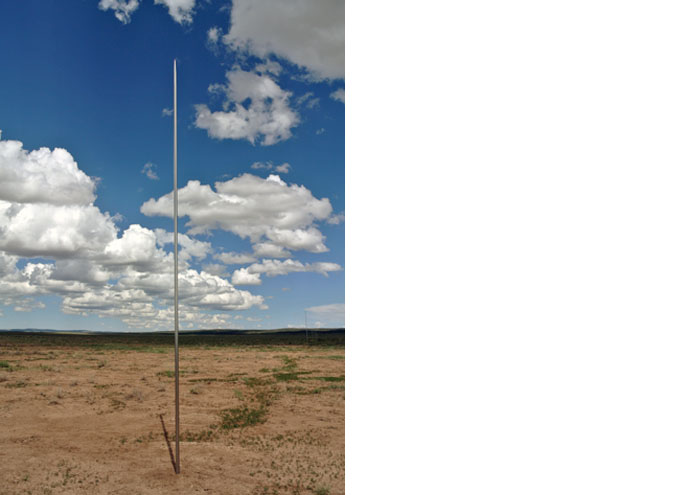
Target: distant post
(306, 328)
(176, 285)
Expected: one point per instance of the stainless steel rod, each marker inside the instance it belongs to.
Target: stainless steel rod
(176, 284)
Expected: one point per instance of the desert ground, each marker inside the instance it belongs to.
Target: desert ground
(92, 414)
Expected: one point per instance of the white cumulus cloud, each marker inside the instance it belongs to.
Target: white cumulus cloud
(260, 110)
(269, 212)
(214, 34)
(216, 269)
(270, 250)
(336, 219)
(235, 258)
(54, 231)
(283, 169)
(308, 33)
(149, 172)
(188, 246)
(243, 277)
(180, 10)
(137, 247)
(305, 239)
(122, 8)
(251, 275)
(42, 176)
(92, 267)
(268, 67)
(339, 95)
(273, 268)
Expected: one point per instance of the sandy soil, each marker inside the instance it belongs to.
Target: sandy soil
(87, 420)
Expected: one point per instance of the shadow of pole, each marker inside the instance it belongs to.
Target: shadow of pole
(166, 437)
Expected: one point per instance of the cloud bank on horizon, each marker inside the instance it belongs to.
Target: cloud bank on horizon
(47, 210)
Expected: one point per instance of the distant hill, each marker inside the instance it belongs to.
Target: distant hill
(216, 337)
(217, 331)
(43, 330)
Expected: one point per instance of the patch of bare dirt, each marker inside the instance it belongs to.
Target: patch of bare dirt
(254, 420)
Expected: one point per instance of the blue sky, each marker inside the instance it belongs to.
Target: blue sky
(85, 163)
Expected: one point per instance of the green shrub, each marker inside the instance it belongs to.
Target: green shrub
(240, 417)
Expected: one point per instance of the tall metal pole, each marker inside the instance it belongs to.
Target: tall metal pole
(176, 285)
(306, 329)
